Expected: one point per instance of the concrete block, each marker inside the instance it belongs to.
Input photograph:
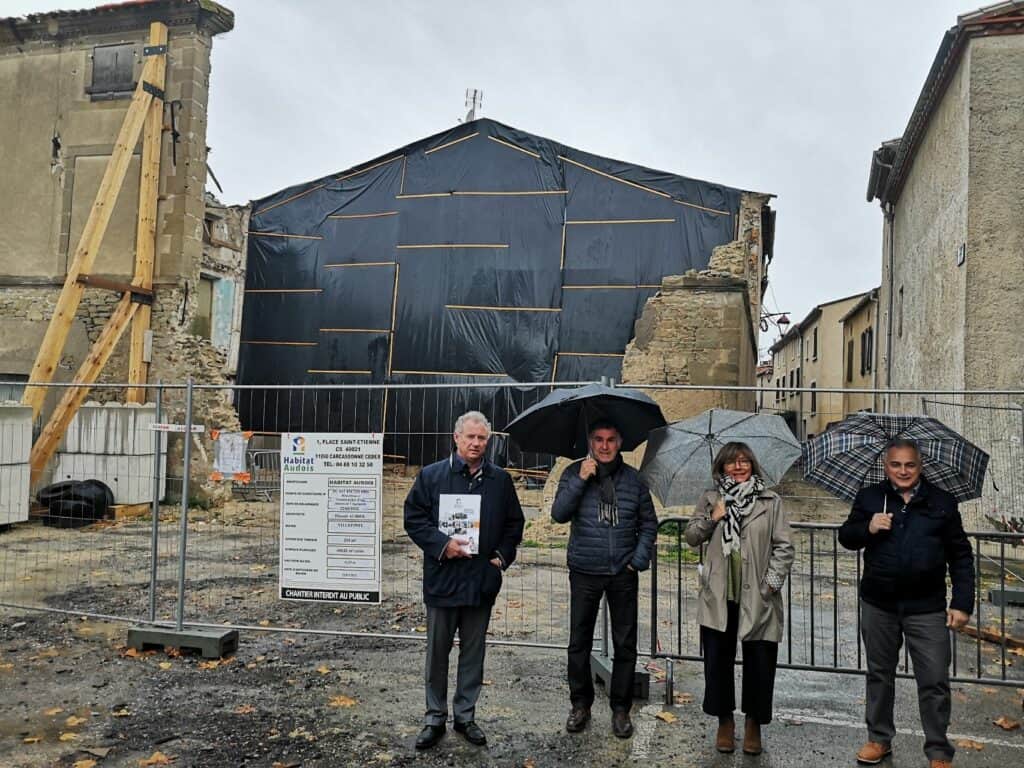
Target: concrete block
(14, 493)
(15, 433)
(129, 477)
(112, 429)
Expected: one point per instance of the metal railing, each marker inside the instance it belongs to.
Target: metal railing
(822, 609)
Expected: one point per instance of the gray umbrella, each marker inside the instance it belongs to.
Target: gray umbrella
(677, 463)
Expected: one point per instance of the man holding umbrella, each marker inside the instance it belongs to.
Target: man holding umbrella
(612, 539)
(911, 532)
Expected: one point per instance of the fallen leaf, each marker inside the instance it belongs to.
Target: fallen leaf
(5, 666)
(31, 739)
(1017, 651)
(528, 763)
(173, 651)
(264, 622)
(989, 690)
(667, 717)
(683, 698)
(301, 733)
(245, 709)
(121, 713)
(165, 665)
(1006, 723)
(212, 664)
(323, 670)
(487, 682)
(72, 721)
(68, 736)
(341, 701)
(53, 711)
(420, 628)
(970, 744)
(157, 758)
(87, 763)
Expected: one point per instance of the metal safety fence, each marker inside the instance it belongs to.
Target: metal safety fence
(822, 609)
(196, 551)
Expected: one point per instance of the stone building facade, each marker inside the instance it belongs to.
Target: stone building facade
(952, 191)
(859, 354)
(66, 80)
(808, 358)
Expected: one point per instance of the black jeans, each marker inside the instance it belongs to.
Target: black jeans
(759, 661)
(585, 602)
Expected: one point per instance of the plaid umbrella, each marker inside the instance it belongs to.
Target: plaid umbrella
(678, 460)
(850, 455)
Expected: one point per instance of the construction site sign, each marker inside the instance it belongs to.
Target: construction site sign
(331, 517)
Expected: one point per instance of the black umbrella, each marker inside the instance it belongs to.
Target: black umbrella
(559, 423)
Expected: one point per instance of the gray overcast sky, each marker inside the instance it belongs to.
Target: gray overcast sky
(784, 97)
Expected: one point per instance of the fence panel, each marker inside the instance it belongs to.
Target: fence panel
(822, 631)
(230, 574)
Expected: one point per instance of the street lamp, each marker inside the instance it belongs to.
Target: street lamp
(770, 317)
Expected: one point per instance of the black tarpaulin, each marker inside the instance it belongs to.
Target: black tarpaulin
(483, 254)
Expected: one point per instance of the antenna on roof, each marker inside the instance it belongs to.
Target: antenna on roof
(474, 101)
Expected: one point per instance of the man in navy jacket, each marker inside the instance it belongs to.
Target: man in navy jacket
(911, 532)
(459, 587)
(612, 540)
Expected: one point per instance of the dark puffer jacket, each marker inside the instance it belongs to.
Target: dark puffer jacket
(599, 548)
(905, 567)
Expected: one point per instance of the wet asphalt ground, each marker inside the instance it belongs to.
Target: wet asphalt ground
(310, 700)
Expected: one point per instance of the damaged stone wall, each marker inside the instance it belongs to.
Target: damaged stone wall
(46, 69)
(699, 329)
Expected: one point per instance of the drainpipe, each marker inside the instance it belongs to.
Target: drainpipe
(889, 211)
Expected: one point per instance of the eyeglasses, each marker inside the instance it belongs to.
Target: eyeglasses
(739, 462)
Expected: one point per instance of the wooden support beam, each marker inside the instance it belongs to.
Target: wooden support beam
(90, 369)
(56, 336)
(145, 248)
(115, 285)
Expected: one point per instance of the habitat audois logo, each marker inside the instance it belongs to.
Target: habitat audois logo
(296, 459)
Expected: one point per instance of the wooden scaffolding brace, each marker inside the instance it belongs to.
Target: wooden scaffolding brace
(144, 116)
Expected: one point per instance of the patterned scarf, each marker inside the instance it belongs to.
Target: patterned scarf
(608, 507)
(739, 499)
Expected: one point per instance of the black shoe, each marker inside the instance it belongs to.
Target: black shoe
(472, 732)
(430, 735)
(578, 719)
(621, 724)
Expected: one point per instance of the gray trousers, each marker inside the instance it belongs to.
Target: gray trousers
(928, 643)
(471, 623)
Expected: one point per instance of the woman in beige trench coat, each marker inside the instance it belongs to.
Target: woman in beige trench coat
(747, 560)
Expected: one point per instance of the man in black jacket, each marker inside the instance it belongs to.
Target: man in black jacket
(612, 539)
(911, 532)
(459, 585)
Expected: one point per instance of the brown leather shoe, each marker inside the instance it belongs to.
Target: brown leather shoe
(941, 764)
(725, 739)
(873, 753)
(752, 737)
(577, 720)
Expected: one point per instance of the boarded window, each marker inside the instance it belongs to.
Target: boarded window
(849, 360)
(202, 325)
(113, 72)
